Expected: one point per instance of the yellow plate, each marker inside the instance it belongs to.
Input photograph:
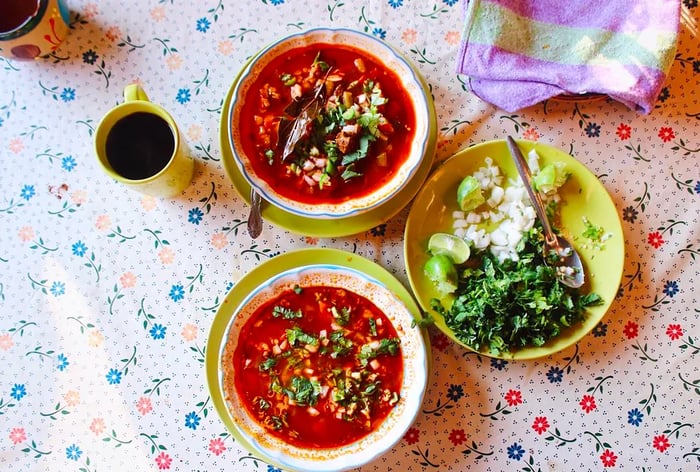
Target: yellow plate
(583, 196)
(262, 273)
(325, 228)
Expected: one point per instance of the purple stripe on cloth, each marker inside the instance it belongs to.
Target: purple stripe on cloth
(512, 81)
(623, 16)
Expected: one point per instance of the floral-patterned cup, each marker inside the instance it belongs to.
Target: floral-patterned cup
(30, 29)
(139, 145)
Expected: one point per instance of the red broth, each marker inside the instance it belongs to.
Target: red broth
(268, 101)
(318, 367)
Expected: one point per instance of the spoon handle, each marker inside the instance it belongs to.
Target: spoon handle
(254, 218)
(524, 172)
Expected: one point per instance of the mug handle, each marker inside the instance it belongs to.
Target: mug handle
(135, 92)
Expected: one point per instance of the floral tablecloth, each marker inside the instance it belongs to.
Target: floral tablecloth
(106, 296)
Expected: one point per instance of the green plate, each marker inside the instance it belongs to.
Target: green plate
(324, 228)
(583, 196)
(257, 276)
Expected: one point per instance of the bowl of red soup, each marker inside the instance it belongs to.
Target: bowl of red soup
(329, 123)
(322, 368)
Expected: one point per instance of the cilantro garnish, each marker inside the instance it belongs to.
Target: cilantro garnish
(369, 351)
(297, 336)
(303, 391)
(342, 316)
(286, 313)
(267, 364)
(340, 344)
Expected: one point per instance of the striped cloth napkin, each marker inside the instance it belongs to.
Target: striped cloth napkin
(520, 52)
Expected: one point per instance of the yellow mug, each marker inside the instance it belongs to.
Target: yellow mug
(138, 144)
(30, 29)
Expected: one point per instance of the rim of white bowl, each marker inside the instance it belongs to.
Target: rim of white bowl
(422, 110)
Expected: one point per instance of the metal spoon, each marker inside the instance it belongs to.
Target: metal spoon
(557, 250)
(254, 218)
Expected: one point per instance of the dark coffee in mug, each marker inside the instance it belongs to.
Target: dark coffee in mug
(14, 13)
(140, 145)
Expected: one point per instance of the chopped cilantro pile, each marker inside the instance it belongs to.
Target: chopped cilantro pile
(500, 307)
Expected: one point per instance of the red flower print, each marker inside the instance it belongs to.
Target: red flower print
(163, 461)
(661, 443)
(674, 331)
(144, 405)
(412, 436)
(440, 341)
(457, 436)
(97, 426)
(541, 424)
(587, 403)
(655, 239)
(631, 330)
(6, 342)
(666, 134)
(17, 435)
(623, 131)
(513, 397)
(216, 446)
(608, 458)
(531, 134)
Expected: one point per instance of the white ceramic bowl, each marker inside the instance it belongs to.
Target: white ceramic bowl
(383, 53)
(389, 432)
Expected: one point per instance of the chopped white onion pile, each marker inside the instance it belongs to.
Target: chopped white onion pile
(500, 223)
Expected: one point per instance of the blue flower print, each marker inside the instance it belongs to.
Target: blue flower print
(555, 374)
(89, 57)
(634, 417)
(276, 2)
(671, 288)
(194, 216)
(192, 420)
(57, 289)
(272, 468)
(73, 452)
(1, 122)
(62, 362)
(395, 3)
(68, 163)
(592, 130)
(68, 94)
(600, 330)
(177, 293)
(379, 33)
(114, 377)
(229, 286)
(498, 364)
(697, 187)
(455, 392)
(158, 331)
(515, 452)
(203, 25)
(183, 96)
(79, 249)
(450, 3)
(27, 192)
(18, 392)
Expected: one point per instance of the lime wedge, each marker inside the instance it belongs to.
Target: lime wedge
(441, 271)
(469, 194)
(454, 247)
